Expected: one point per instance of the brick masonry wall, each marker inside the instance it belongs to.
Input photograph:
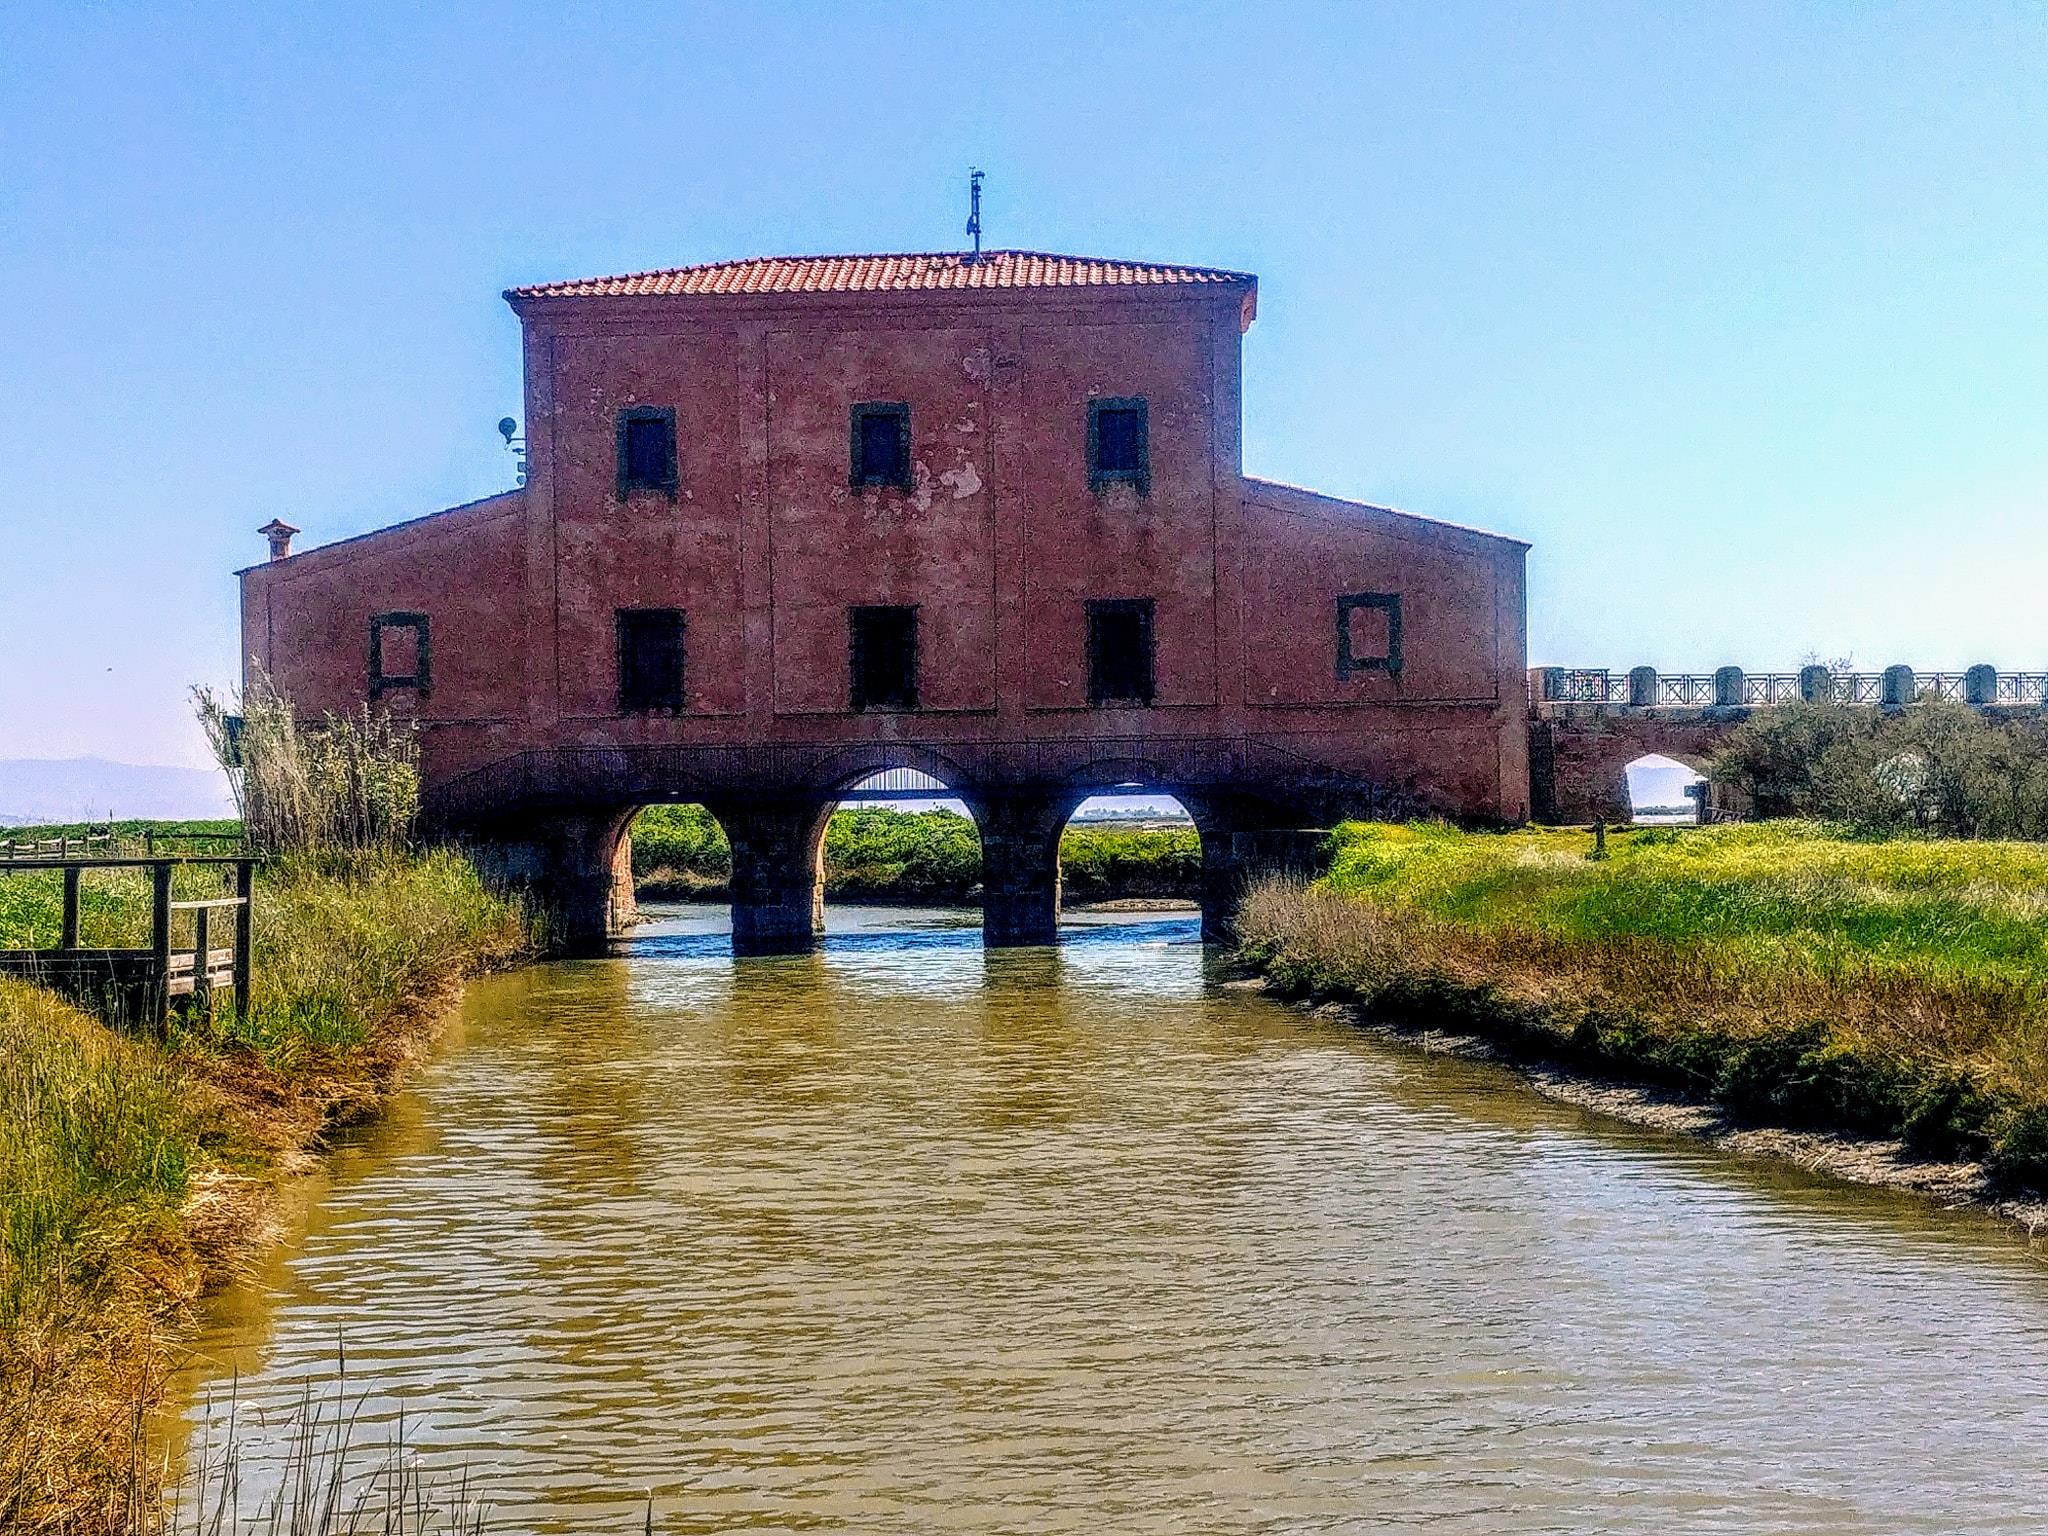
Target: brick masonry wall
(1579, 755)
(999, 542)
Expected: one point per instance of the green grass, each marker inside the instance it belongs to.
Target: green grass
(1787, 892)
(874, 853)
(133, 1170)
(1791, 974)
(97, 1141)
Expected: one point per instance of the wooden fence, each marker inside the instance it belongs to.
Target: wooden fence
(136, 985)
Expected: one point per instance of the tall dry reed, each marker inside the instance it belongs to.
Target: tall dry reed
(346, 783)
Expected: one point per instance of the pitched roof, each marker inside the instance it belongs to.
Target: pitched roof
(925, 273)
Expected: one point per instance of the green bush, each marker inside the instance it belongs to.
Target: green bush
(1940, 768)
(685, 839)
(1101, 863)
(918, 856)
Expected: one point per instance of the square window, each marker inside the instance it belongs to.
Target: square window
(647, 450)
(1120, 651)
(1118, 451)
(881, 445)
(650, 660)
(1368, 633)
(398, 653)
(883, 642)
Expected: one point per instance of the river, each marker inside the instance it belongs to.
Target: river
(909, 1237)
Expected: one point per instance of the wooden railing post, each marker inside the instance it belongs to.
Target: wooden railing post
(245, 933)
(202, 953)
(69, 940)
(160, 944)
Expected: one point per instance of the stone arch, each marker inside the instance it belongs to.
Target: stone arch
(1120, 786)
(1244, 835)
(842, 769)
(1579, 764)
(574, 864)
(1658, 781)
(843, 773)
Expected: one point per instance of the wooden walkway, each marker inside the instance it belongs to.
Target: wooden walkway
(137, 985)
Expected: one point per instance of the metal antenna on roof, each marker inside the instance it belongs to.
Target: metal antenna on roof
(974, 211)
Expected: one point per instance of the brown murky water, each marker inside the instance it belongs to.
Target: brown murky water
(907, 1237)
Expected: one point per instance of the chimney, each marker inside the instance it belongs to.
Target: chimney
(279, 532)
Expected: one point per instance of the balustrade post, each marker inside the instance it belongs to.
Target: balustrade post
(1816, 684)
(1728, 687)
(1899, 687)
(1980, 685)
(1642, 687)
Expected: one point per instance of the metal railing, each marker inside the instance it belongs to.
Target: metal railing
(1733, 688)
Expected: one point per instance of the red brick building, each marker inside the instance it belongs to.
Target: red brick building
(789, 521)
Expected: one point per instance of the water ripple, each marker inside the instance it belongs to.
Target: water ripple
(908, 1237)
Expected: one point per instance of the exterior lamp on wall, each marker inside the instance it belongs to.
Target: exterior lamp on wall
(508, 429)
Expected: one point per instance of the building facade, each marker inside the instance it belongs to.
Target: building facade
(790, 521)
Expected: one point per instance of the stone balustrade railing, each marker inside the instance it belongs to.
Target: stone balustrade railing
(1732, 688)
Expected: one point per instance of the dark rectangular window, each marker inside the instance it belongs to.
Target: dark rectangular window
(650, 660)
(398, 653)
(1120, 651)
(884, 646)
(1368, 633)
(881, 445)
(1118, 453)
(647, 449)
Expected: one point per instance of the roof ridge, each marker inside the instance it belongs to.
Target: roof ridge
(853, 272)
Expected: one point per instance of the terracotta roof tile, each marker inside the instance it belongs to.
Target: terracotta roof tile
(934, 272)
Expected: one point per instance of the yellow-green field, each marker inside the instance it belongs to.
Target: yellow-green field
(1791, 975)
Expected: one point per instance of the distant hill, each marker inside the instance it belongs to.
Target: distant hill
(36, 790)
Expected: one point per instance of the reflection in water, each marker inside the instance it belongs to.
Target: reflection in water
(906, 1237)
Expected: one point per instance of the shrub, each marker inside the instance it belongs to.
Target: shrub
(1935, 768)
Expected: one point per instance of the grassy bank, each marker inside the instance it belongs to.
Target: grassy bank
(873, 853)
(1786, 975)
(139, 1172)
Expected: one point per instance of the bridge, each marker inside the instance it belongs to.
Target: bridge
(1588, 724)
(558, 820)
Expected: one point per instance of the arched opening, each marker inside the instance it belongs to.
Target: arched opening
(1130, 867)
(1662, 791)
(678, 861)
(900, 850)
(680, 855)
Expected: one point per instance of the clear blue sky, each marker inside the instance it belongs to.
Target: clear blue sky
(1738, 312)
